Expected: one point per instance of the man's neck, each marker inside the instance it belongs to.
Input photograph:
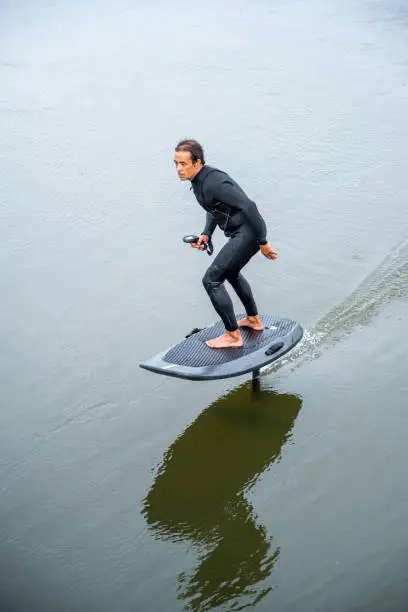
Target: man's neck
(196, 174)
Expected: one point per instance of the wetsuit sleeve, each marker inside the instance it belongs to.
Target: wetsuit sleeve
(210, 225)
(228, 192)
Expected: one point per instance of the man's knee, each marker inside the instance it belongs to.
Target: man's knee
(212, 279)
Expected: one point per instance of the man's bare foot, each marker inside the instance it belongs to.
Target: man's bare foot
(253, 322)
(228, 340)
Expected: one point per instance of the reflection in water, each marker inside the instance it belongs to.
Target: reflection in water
(199, 495)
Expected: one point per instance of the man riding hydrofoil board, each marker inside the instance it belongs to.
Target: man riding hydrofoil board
(227, 206)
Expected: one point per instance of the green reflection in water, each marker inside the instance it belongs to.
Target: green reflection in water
(200, 495)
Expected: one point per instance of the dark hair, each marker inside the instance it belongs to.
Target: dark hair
(194, 148)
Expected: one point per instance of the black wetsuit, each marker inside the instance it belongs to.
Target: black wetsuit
(229, 207)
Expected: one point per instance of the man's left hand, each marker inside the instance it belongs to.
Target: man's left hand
(268, 251)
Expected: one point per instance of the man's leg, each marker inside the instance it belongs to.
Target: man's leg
(244, 292)
(213, 282)
(232, 257)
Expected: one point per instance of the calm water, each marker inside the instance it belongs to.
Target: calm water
(125, 490)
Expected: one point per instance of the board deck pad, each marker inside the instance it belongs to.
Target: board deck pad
(193, 359)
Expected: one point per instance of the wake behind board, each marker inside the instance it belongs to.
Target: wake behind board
(194, 360)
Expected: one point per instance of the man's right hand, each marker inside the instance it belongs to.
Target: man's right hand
(202, 240)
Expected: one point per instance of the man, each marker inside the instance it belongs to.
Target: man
(228, 207)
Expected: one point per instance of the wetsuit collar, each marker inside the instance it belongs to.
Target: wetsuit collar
(201, 174)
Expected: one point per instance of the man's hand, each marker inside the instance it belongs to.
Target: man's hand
(203, 239)
(268, 251)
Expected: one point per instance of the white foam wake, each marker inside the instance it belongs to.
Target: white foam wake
(388, 282)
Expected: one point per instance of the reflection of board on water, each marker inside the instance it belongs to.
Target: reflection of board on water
(200, 497)
(193, 359)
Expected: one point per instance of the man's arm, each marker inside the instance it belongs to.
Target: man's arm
(210, 225)
(225, 191)
(205, 236)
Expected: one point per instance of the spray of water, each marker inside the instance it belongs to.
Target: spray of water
(388, 282)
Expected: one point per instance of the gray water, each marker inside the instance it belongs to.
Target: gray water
(121, 489)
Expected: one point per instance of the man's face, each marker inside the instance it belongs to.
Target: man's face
(186, 170)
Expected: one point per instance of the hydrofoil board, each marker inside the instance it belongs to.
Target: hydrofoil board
(194, 360)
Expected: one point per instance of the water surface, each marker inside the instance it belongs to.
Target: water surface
(125, 489)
